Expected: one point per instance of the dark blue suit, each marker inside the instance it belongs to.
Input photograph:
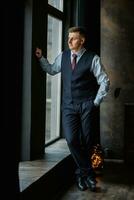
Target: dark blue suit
(79, 91)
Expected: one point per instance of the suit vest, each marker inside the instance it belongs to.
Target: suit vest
(79, 84)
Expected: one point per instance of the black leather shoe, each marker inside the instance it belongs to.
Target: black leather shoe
(80, 181)
(91, 183)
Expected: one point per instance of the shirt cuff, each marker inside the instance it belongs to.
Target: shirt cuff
(96, 104)
(97, 101)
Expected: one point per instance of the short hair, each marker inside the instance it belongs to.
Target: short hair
(80, 29)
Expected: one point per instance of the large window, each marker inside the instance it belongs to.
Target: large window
(56, 3)
(53, 84)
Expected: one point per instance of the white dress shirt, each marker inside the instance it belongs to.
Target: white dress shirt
(97, 68)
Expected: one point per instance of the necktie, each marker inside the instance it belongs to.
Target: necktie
(74, 61)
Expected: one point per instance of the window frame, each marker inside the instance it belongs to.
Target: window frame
(54, 12)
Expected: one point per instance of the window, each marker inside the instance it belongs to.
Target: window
(53, 83)
(57, 4)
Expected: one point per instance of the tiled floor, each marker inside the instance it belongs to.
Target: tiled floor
(116, 182)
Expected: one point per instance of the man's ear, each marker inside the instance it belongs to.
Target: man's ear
(82, 40)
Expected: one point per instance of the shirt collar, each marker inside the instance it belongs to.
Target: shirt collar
(79, 53)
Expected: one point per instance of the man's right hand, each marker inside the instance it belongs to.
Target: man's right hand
(38, 53)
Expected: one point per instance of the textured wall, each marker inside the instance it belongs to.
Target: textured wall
(117, 53)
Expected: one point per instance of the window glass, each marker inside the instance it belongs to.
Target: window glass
(53, 84)
(57, 4)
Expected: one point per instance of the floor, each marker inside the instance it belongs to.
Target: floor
(30, 171)
(115, 182)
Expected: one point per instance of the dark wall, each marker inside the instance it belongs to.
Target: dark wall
(92, 20)
(39, 35)
(12, 66)
(88, 15)
(117, 53)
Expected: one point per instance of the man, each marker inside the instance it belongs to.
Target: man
(85, 84)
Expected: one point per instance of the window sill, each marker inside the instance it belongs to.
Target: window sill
(31, 171)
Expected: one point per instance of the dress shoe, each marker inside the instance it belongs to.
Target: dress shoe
(91, 183)
(81, 183)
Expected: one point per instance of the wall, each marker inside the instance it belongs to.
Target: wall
(117, 47)
(11, 94)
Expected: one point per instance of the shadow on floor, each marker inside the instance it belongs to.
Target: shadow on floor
(114, 182)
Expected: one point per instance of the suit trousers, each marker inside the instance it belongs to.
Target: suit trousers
(77, 120)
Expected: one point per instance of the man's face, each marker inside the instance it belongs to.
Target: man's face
(75, 41)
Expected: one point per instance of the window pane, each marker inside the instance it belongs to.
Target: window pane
(53, 86)
(57, 4)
